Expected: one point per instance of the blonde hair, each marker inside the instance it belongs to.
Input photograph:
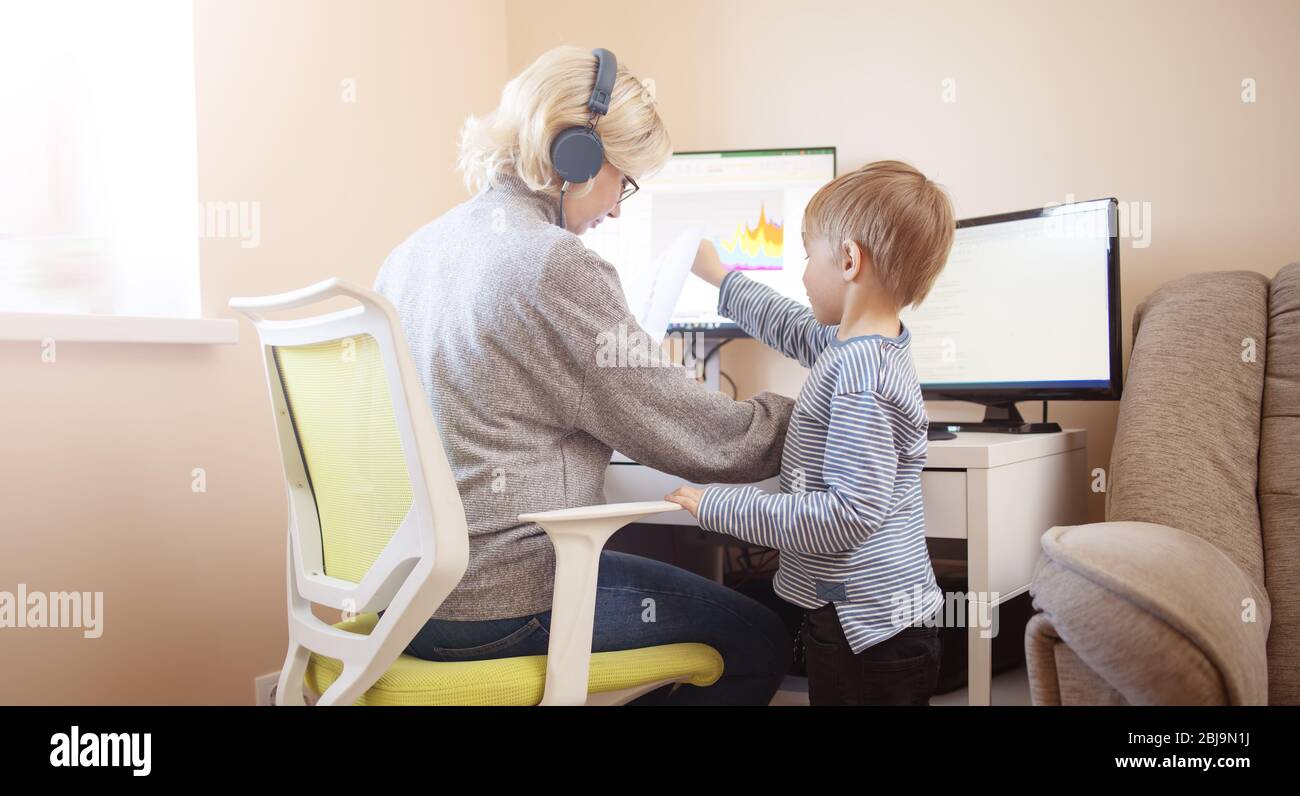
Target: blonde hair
(548, 96)
(902, 220)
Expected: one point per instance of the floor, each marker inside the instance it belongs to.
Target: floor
(1009, 688)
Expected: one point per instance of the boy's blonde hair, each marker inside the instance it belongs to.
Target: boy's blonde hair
(903, 222)
(548, 96)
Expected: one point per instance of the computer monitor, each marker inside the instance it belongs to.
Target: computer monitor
(750, 203)
(1027, 308)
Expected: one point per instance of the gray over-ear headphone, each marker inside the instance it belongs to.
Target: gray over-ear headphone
(577, 153)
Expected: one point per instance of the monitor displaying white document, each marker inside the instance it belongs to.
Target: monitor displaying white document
(1027, 306)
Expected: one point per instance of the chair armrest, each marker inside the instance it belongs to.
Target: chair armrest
(631, 511)
(1132, 598)
(579, 534)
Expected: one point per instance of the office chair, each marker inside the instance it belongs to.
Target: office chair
(376, 523)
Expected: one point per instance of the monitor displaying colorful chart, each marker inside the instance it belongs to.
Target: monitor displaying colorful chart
(749, 203)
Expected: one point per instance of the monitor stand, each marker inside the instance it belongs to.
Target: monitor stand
(1000, 418)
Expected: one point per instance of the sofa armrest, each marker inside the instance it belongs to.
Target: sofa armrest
(579, 534)
(1160, 614)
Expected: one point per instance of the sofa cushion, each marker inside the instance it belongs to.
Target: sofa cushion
(1186, 445)
(1279, 484)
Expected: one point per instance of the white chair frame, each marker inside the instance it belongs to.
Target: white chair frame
(428, 554)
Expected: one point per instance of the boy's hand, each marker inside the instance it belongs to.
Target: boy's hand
(688, 497)
(707, 265)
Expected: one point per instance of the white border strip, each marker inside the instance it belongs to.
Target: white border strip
(117, 328)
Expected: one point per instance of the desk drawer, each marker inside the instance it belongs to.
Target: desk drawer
(943, 493)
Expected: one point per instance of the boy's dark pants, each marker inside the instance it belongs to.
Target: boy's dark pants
(902, 670)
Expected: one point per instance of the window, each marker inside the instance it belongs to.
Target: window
(98, 160)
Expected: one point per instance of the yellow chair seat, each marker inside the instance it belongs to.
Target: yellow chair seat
(513, 681)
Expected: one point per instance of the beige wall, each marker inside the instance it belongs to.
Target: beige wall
(96, 450)
(1136, 100)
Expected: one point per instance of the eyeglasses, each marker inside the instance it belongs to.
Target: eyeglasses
(629, 187)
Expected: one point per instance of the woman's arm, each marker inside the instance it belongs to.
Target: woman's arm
(656, 413)
(663, 418)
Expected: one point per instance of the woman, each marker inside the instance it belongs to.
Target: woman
(504, 311)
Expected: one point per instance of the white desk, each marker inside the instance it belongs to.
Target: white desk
(998, 492)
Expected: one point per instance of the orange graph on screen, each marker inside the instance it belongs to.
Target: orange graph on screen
(757, 248)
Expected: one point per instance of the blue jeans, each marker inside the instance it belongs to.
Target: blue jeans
(643, 603)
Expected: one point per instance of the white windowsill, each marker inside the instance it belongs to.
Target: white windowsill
(116, 328)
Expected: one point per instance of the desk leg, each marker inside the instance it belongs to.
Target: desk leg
(979, 656)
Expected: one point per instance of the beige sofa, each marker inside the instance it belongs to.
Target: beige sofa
(1189, 593)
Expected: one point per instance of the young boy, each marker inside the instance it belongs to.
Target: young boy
(848, 519)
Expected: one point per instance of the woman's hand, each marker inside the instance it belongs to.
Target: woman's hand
(707, 264)
(688, 497)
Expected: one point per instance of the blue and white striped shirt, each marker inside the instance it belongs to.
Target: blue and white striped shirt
(848, 520)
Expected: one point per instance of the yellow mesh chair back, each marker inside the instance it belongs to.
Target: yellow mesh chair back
(375, 519)
(342, 413)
